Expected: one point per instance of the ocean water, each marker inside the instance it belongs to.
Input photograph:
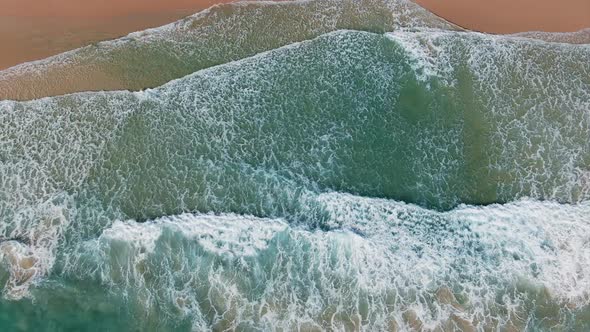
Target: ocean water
(223, 33)
(329, 177)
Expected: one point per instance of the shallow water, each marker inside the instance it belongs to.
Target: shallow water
(221, 34)
(407, 180)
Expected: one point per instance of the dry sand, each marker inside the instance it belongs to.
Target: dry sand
(97, 9)
(510, 16)
(33, 29)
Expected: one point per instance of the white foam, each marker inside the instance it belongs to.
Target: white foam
(576, 37)
(387, 250)
(30, 261)
(428, 60)
(535, 95)
(194, 42)
(390, 258)
(224, 235)
(49, 147)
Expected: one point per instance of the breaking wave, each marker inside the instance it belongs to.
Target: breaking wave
(414, 179)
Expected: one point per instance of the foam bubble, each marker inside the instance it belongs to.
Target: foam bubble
(392, 264)
(274, 136)
(226, 235)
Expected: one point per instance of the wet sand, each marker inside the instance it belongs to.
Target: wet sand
(511, 16)
(31, 29)
(37, 32)
(38, 29)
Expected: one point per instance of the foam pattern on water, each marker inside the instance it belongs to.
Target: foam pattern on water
(47, 148)
(289, 117)
(393, 265)
(576, 37)
(215, 36)
(263, 144)
(535, 96)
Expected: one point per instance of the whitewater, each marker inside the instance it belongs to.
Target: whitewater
(367, 166)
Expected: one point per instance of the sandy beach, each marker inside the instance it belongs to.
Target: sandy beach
(35, 30)
(294, 165)
(511, 16)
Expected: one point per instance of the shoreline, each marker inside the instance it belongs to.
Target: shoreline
(508, 17)
(35, 32)
(579, 36)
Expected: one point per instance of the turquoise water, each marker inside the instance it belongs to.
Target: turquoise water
(419, 179)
